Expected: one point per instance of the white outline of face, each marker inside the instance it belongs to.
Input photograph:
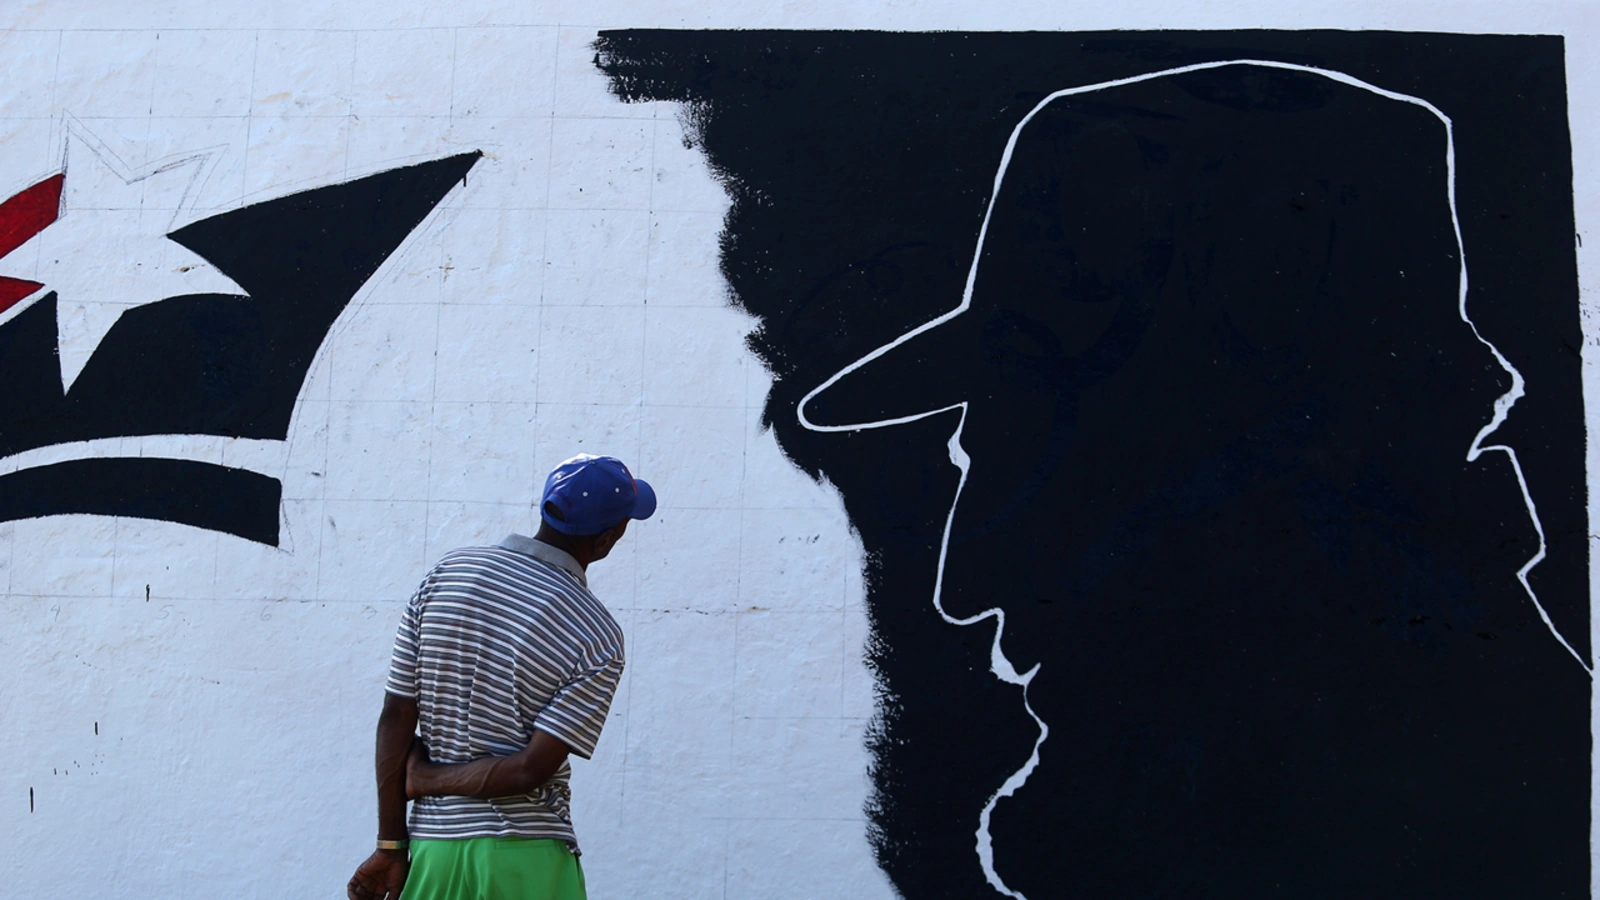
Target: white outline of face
(999, 664)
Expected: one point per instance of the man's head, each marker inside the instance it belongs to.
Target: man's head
(587, 504)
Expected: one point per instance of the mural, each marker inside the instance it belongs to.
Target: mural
(1104, 464)
(1209, 407)
(215, 506)
(228, 364)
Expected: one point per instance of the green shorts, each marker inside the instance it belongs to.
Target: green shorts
(494, 868)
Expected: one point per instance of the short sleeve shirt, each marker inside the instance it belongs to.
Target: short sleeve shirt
(496, 643)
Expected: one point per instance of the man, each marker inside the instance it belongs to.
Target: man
(508, 664)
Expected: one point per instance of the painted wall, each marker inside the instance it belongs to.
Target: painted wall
(206, 695)
(195, 653)
(1215, 446)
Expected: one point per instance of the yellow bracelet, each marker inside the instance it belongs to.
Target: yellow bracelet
(392, 845)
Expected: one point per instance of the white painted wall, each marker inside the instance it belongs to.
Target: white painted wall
(193, 713)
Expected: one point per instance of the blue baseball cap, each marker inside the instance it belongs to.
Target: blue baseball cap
(594, 493)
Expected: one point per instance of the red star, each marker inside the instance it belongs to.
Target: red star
(21, 217)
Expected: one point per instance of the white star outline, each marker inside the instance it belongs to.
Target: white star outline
(96, 264)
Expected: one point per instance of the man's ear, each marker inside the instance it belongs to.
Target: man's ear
(605, 540)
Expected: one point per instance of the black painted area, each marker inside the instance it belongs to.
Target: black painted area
(220, 364)
(1220, 406)
(229, 365)
(216, 498)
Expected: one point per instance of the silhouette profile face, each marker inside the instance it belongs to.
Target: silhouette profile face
(1183, 274)
(1167, 379)
(1177, 265)
(1217, 393)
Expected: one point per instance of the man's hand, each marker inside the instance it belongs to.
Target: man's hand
(381, 877)
(487, 778)
(384, 873)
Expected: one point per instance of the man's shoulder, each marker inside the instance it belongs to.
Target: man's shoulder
(536, 587)
(480, 554)
(516, 572)
(475, 552)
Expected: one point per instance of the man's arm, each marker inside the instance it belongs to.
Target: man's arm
(397, 728)
(384, 873)
(497, 776)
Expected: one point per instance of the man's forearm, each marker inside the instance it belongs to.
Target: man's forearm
(397, 725)
(497, 776)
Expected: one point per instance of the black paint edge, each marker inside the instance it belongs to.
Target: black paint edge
(205, 495)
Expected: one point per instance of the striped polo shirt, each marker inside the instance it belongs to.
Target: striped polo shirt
(497, 642)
